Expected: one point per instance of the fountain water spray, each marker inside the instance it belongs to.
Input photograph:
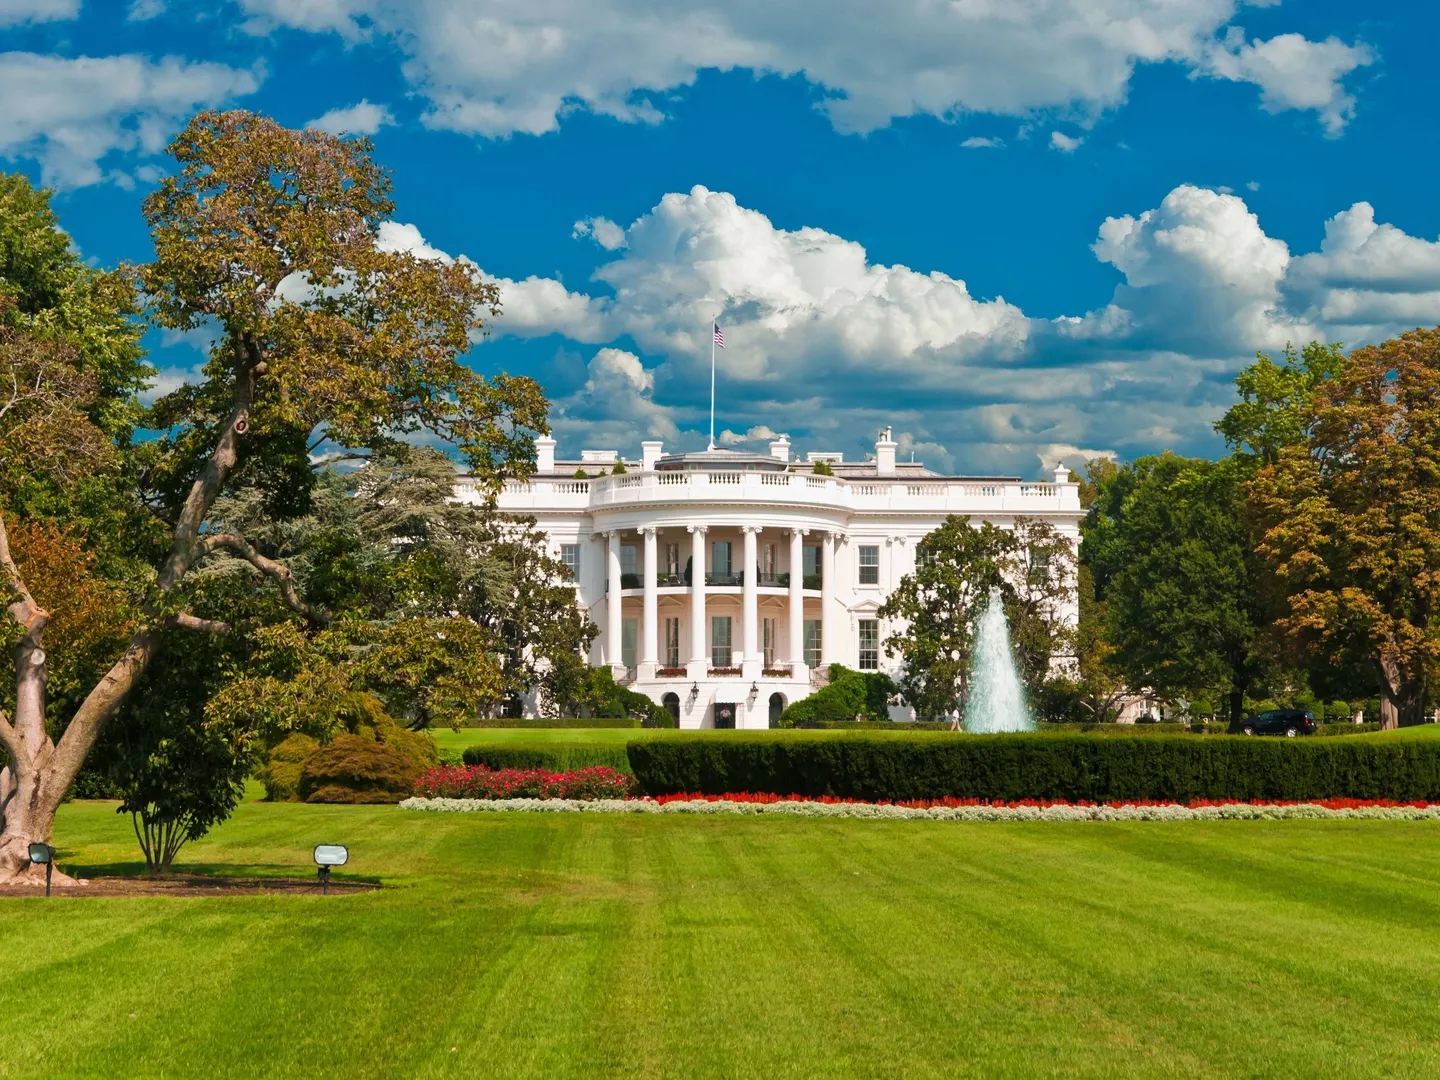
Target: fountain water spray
(997, 698)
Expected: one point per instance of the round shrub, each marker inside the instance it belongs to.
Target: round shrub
(356, 769)
(281, 772)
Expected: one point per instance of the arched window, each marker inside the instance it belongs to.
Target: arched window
(777, 706)
(672, 706)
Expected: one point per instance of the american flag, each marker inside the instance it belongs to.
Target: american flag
(719, 335)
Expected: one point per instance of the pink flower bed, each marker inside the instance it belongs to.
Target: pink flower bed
(478, 782)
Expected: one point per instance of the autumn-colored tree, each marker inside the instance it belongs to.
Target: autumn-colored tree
(1350, 519)
(271, 236)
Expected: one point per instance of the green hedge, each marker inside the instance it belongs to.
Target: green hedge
(875, 725)
(1348, 727)
(558, 757)
(1033, 766)
(553, 722)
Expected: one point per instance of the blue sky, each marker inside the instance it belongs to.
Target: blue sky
(1017, 232)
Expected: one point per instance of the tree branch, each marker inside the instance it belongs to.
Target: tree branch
(284, 578)
(24, 611)
(186, 621)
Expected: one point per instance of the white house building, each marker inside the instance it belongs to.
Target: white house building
(724, 582)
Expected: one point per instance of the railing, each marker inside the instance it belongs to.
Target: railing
(712, 578)
(780, 488)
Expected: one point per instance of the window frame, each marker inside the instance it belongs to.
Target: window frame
(871, 626)
(573, 566)
(861, 566)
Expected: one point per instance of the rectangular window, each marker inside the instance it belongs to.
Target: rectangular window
(570, 556)
(672, 560)
(767, 641)
(811, 560)
(923, 559)
(627, 559)
(672, 643)
(767, 565)
(1039, 566)
(869, 564)
(812, 642)
(869, 645)
(720, 558)
(627, 642)
(720, 641)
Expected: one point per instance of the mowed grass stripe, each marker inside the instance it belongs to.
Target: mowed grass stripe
(580, 945)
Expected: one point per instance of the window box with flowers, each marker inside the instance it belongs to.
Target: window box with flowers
(724, 671)
(775, 673)
(670, 673)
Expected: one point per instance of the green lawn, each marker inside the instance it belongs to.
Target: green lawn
(564, 945)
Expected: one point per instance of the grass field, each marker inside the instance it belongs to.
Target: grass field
(544, 945)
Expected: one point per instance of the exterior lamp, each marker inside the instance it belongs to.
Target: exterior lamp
(44, 853)
(754, 691)
(326, 856)
(694, 692)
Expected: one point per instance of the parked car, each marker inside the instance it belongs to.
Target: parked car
(1288, 722)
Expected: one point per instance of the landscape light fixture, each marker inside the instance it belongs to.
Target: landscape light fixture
(326, 856)
(44, 853)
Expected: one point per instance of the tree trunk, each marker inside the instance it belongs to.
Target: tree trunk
(1402, 697)
(1237, 705)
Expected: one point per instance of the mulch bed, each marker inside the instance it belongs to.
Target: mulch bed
(192, 885)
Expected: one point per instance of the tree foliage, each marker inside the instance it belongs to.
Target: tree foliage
(1169, 549)
(1275, 406)
(1351, 519)
(938, 605)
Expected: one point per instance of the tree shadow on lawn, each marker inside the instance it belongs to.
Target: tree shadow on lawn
(196, 879)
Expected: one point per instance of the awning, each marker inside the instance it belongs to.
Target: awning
(730, 693)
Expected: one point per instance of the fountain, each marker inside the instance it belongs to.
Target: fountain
(997, 698)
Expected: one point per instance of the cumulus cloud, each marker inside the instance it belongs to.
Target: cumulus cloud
(980, 142)
(831, 347)
(1064, 143)
(1293, 73)
(70, 115)
(18, 12)
(362, 118)
(498, 67)
(145, 10)
(603, 231)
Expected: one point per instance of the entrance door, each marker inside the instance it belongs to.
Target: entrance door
(724, 716)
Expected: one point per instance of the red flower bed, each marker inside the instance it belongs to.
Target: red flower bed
(926, 804)
(478, 782)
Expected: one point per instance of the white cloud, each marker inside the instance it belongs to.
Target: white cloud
(17, 12)
(1293, 73)
(497, 67)
(603, 231)
(831, 347)
(362, 118)
(145, 10)
(756, 434)
(71, 114)
(1064, 143)
(1252, 185)
(979, 142)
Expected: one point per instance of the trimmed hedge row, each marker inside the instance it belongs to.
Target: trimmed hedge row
(557, 757)
(552, 722)
(1016, 767)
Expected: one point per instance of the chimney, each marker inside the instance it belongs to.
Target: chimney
(544, 454)
(1062, 473)
(780, 448)
(885, 454)
(649, 455)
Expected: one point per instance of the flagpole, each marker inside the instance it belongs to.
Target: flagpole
(712, 384)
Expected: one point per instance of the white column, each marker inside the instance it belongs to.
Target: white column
(752, 658)
(829, 597)
(699, 632)
(613, 630)
(650, 648)
(797, 603)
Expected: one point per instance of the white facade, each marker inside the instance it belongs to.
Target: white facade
(728, 644)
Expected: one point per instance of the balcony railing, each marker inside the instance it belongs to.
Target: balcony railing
(677, 581)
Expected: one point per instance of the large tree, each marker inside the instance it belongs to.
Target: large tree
(1170, 553)
(269, 237)
(1351, 519)
(939, 605)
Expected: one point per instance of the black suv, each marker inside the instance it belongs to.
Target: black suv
(1290, 722)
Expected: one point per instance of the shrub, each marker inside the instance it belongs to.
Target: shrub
(1012, 767)
(553, 722)
(849, 693)
(281, 772)
(1347, 727)
(356, 769)
(557, 757)
(478, 782)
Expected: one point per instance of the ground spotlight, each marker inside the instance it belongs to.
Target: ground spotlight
(44, 853)
(326, 856)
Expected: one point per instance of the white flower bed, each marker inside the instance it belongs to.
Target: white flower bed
(1170, 812)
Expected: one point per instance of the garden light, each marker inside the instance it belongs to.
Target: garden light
(44, 853)
(326, 856)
